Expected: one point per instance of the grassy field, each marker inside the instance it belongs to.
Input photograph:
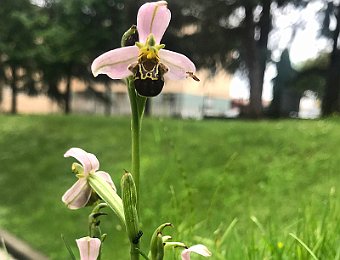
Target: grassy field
(248, 190)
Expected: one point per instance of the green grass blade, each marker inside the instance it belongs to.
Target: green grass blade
(304, 245)
(258, 224)
(68, 248)
(228, 230)
(337, 256)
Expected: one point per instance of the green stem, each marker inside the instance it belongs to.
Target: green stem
(134, 252)
(137, 110)
(135, 136)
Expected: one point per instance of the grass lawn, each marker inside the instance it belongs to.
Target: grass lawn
(248, 190)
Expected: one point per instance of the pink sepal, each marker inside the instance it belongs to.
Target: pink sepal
(153, 18)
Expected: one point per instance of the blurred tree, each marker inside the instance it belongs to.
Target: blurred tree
(283, 85)
(77, 32)
(321, 75)
(312, 75)
(2, 78)
(231, 34)
(17, 47)
(331, 98)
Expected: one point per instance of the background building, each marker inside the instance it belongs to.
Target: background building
(186, 98)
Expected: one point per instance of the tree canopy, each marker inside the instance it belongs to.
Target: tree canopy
(41, 46)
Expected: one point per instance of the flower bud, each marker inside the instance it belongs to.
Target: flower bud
(130, 37)
(129, 197)
(157, 249)
(156, 244)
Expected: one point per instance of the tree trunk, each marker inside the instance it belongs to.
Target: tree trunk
(265, 25)
(108, 101)
(1, 92)
(67, 98)
(254, 109)
(256, 56)
(14, 90)
(331, 99)
(275, 105)
(256, 87)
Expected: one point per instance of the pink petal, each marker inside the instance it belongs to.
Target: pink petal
(178, 64)
(106, 177)
(89, 248)
(115, 63)
(78, 195)
(153, 18)
(198, 249)
(88, 160)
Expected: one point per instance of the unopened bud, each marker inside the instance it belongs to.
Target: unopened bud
(157, 248)
(157, 243)
(129, 197)
(130, 37)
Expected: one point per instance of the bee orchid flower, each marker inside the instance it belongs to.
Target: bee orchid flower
(80, 193)
(89, 248)
(147, 61)
(198, 249)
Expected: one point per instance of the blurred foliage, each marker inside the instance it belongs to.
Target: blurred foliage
(18, 46)
(331, 29)
(56, 42)
(311, 75)
(322, 74)
(44, 45)
(77, 31)
(213, 32)
(228, 34)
